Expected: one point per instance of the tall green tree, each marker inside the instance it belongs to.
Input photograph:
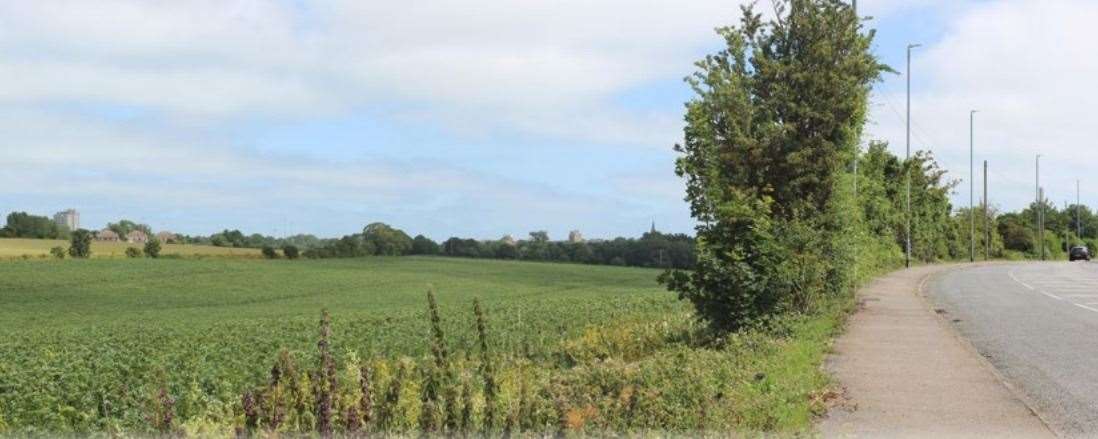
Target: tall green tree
(24, 225)
(775, 121)
(386, 240)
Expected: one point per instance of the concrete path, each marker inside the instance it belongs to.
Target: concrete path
(905, 373)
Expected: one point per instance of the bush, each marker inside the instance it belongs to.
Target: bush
(58, 252)
(269, 252)
(133, 252)
(152, 248)
(80, 244)
(291, 252)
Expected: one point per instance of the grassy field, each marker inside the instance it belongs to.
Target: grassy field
(89, 345)
(35, 248)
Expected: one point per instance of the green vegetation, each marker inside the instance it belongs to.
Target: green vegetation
(769, 138)
(24, 225)
(149, 345)
(152, 248)
(80, 245)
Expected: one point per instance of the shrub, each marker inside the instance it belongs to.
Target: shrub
(80, 244)
(152, 248)
(291, 252)
(58, 252)
(269, 252)
(133, 252)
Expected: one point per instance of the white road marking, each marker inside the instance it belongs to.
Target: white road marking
(1012, 276)
(1051, 295)
(1086, 307)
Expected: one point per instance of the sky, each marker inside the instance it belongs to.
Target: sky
(474, 118)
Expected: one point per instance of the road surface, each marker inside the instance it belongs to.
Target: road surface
(1037, 323)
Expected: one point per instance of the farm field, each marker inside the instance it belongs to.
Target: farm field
(12, 248)
(99, 346)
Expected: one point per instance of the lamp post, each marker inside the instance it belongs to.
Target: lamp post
(1039, 234)
(907, 158)
(987, 220)
(972, 184)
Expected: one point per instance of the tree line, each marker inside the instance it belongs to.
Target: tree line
(653, 249)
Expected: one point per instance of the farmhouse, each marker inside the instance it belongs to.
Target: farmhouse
(107, 235)
(137, 237)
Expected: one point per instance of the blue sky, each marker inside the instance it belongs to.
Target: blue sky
(449, 118)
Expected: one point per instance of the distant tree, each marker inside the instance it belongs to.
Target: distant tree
(386, 240)
(465, 248)
(133, 252)
(539, 236)
(80, 244)
(290, 251)
(58, 252)
(152, 248)
(125, 226)
(506, 250)
(24, 225)
(269, 252)
(422, 245)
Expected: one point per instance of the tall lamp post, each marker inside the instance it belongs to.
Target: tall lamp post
(1040, 235)
(972, 184)
(907, 158)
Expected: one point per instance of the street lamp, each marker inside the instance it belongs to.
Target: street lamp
(1037, 211)
(907, 158)
(972, 183)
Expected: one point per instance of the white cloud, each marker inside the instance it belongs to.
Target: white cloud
(469, 59)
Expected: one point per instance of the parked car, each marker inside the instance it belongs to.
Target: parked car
(1079, 253)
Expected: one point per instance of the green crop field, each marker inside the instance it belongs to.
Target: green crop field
(79, 332)
(39, 248)
(111, 345)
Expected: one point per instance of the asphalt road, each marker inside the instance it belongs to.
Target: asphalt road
(1037, 323)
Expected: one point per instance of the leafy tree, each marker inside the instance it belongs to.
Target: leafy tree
(125, 226)
(152, 248)
(133, 252)
(291, 251)
(1016, 233)
(467, 248)
(80, 244)
(24, 225)
(422, 245)
(537, 248)
(269, 252)
(58, 252)
(776, 119)
(386, 240)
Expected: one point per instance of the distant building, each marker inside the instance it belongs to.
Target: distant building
(68, 218)
(166, 237)
(575, 236)
(107, 235)
(509, 240)
(137, 237)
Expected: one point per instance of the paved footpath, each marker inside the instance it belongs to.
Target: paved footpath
(905, 373)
